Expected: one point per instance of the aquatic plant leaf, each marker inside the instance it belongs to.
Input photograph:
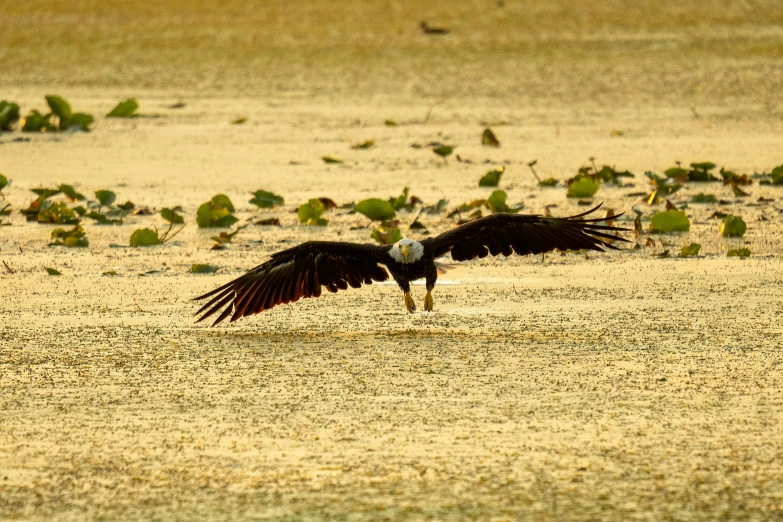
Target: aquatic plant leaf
(690, 250)
(488, 138)
(70, 238)
(216, 213)
(437, 208)
(310, 213)
(37, 122)
(443, 151)
(375, 209)
(582, 187)
(239, 121)
(203, 269)
(110, 273)
(738, 252)
(60, 108)
(100, 219)
(105, 197)
(70, 193)
(329, 159)
(223, 201)
(733, 226)
(9, 115)
(669, 221)
(491, 178)
(225, 221)
(57, 213)
(144, 237)
(386, 238)
(124, 109)
(704, 198)
(401, 200)
(226, 237)
(52, 271)
(268, 222)
(264, 199)
(549, 182)
(738, 191)
(172, 217)
(390, 123)
(78, 121)
(366, 144)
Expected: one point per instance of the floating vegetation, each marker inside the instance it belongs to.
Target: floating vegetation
(497, 203)
(437, 208)
(9, 115)
(730, 177)
(492, 178)
(310, 213)
(390, 123)
(488, 138)
(697, 172)
(3, 184)
(60, 118)
(239, 121)
(58, 212)
(113, 215)
(268, 222)
(366, 144)
(738, 252)
(217, 212)
(444, 151)
(386, 238)
(582, 187)
(662, 187)
(149, 237)
(52, 271)
(75, 237)
(733, 226)
(124, 109)
(264, 199)
(672, 220)
(375, 209)
(704, 198)
(690, 250)
(400, 201)
(329, 159)
(775, 177)
(224, 237)
(203, 269)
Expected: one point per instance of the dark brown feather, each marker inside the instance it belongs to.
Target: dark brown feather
(525, 234)
(294, 273)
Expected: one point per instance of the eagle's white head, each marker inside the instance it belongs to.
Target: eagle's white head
(406, 251)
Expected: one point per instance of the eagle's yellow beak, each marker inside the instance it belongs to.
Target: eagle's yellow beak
(405, 249)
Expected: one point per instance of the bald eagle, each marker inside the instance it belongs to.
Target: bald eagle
(302, 270)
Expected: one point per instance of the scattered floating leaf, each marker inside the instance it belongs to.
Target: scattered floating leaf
(443, 151)
(690, 250)
(697, 172)
(264, 199)
(390, 123)
(549, 182)
(110, 273)
(329, 204)
(739, 252)
(52, 271)
(124, 109)
(375, 209)
(329, 159)
(400, 201)
(582, 187)
(491, 178)
(70, 238)
(437, 208)
(105, 197)
(497, 203)
(488, 138)
(225, 237)
(366, 144)
(310, 213)
(669, 221)
(37, 122)
(386, 238)
(268, 222)
(144, 237)
(704, 198)
(9, 115)
(239, 121)
(733, 226)
(203, 269)
(738, 192)
(616, 133)
(218, 212)
(662, 187)
(57, 213)
(172, 217)
(3, 182)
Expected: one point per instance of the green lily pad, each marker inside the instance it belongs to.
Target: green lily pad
(443, 151)
(386, 238)
(172, 217)
(70, 238)
(239, 121)
(704, 198)
(582, 187)
(105, 197)
(310, 213)
(488, 138)
(57, 213)
(37, 122)
(375, 209)
(738, 252)
(124, 109)
(491, 178)
(144, 237)
(733, 226)
(9, 115)
(366, 144)
(218, 212)
(52, 271)
(390, 123)
(401, 200)
(264, 199)
(329, 159)
(670, 221)
(79, 121)
(690, 250)
(203, 269)
(549, 182)
(60, 107)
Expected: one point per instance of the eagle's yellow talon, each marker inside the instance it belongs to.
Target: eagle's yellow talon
(428, 302)
(409, 304)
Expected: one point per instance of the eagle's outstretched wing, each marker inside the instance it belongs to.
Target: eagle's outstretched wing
(294, 273)
(524, 234)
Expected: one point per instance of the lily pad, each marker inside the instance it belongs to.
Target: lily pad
(669, 221)
(488, 138)
(264, 199)
(386, 238)
(172, 217)
(57, 213)
(549, 182)
(37, 122)
(144, 237)
(9, 115)
(105, 197)
(52, 271)
(124, 109)
(704, 198)
(401, 200)
(310, 213)
(497, 203)
(329, 159)
(690, 250)
(375, 209)
(218, 212)
(739, 252)
(582, 187)
(366, 144)
(70, 238)
(492, 178)
(203, 269)
(443, 151)
(733, 226)
(60, 107)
